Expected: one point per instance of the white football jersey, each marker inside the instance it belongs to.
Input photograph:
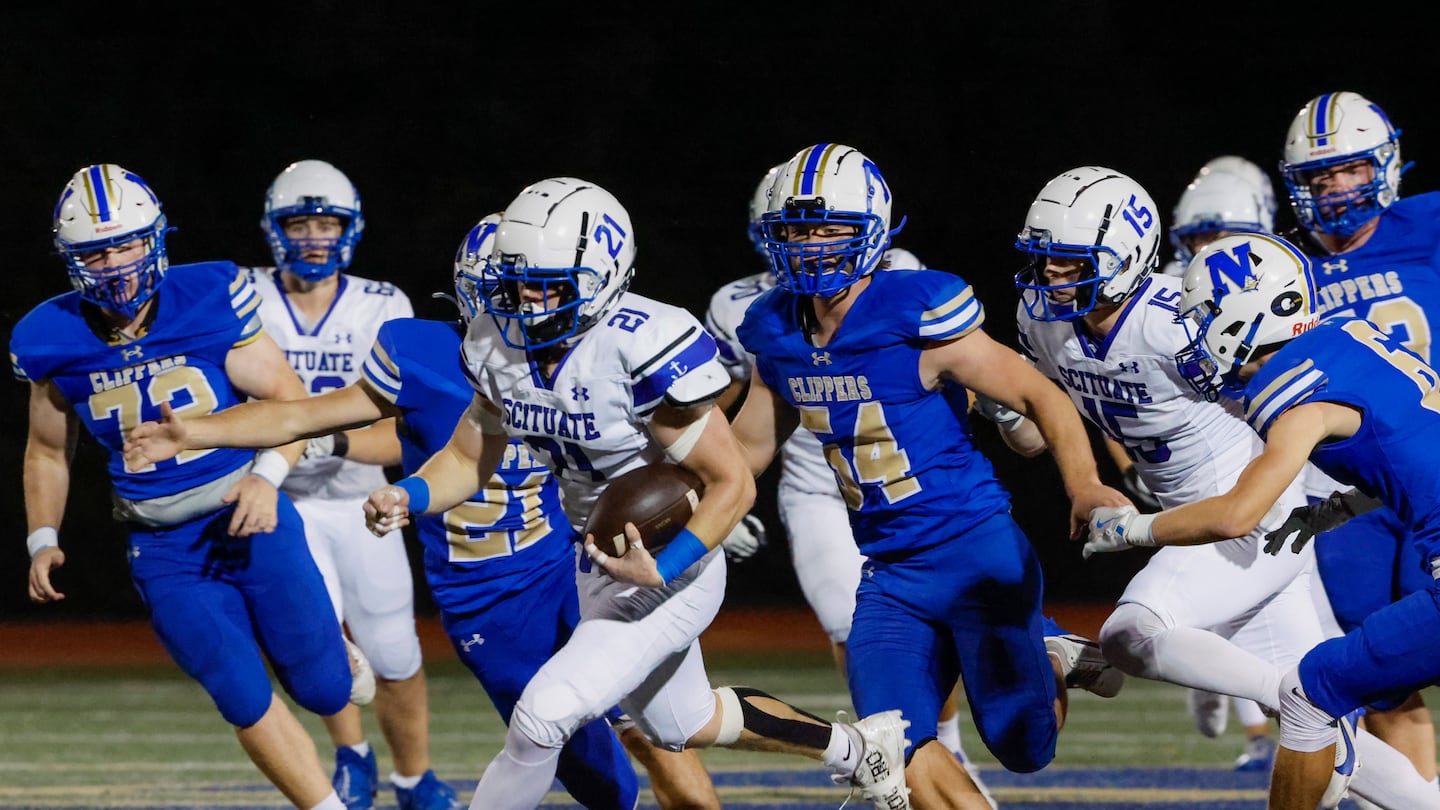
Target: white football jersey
(1128, 385)
(802, 459)
(328, 355)
(590, 421)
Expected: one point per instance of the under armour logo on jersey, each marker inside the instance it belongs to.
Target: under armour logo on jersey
(1337, 266)
(132, 354)
(474, 641)
(820, 358)
(579, 392)
(134, 552)
(342, 337)
(1130, 367)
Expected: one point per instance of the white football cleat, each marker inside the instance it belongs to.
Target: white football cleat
(1082, 665)
(1209, 710)
(362, 677)
(880, 776)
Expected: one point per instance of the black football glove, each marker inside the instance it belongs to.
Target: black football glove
(1304, 522)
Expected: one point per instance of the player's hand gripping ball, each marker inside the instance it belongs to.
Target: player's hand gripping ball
(658, 498)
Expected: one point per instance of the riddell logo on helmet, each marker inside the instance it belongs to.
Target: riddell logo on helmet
(1302, 328)
(112, 227)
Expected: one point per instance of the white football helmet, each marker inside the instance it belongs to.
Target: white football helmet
(1243, 295)
(827, 183)
(1248, 171)
(104, 206)
(1097, 215)
(759, 203)
(471, 287)
(561, 237)
(1331, 130)
(312, 187)
(1217, 202)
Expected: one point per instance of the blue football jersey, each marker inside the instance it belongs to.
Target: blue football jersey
(1393, 280)
(202, 311)
(1392, 456)
(500, 540)
(903, 455)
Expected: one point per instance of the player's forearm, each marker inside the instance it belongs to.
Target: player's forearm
(265, 423)
(725, 503)
(47, 487)
(1207, 521)
(1064, 433)
(457, 472)
(374, 445)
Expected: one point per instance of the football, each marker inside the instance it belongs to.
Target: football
(658, 498)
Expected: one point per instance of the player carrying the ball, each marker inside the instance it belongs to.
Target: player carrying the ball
(599, 381)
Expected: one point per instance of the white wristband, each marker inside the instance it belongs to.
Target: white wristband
(41, 539)
(271, 466)
(1138, 532)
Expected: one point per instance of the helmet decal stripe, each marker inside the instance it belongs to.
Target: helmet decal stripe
(1320, 123)
(96, 184)
(812, 176)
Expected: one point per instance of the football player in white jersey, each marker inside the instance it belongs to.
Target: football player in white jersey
(822, 549)
(326, 320)
(1228, 195)
(1225, 617)
(601, 381)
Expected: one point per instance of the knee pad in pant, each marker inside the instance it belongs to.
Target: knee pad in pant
(1127, 639)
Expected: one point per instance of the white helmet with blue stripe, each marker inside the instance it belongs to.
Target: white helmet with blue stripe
(1331, 131)
(105, 206)
(312, 188)
(827, 184)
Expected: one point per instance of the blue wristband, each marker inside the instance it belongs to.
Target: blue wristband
(681, 553)
(419, 492)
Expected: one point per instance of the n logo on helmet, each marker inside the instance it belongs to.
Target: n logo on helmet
(1232, 271)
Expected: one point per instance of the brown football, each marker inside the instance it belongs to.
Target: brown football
(658, 498)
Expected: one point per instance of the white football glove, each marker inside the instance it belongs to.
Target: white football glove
(745, 539)
(1116, 528)
(1006, 418)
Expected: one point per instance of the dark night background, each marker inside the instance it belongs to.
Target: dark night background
(441, 115)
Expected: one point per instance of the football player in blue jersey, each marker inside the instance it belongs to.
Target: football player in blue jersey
(500, 566)
(877, 365)
(1356, 402)
(1376, 256)
(217, 554)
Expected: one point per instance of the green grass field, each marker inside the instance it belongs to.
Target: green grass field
(145, 736)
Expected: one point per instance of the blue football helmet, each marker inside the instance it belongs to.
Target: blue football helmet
(472, 289)
(105, 206)
(312, 188)
(1331, 130)
(1100, 217)
(827, 184)
(1242, 295)
(564, 254)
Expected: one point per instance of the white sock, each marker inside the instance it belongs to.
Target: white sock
(1388, 778)
(518, 777)
(362, 748)
(331, 802)
(406, 782)
(843, 752)
(948, 733)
